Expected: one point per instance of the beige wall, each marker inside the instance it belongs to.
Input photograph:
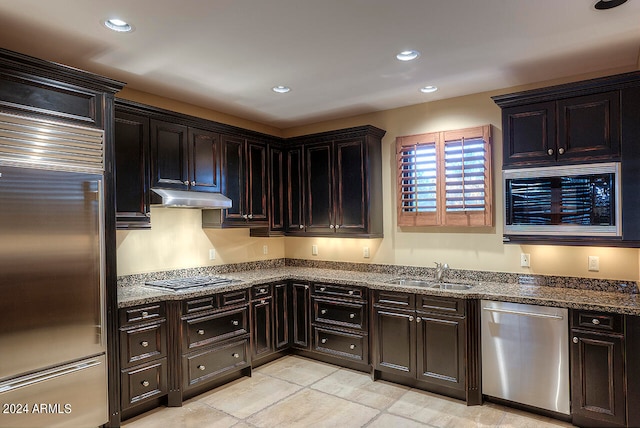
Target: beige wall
(177, 241)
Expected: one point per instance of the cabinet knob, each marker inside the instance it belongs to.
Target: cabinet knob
(235, 355)
(330, 226)
(201, 367)
(201, 332)
(550, 152)
(410, 318)
(323, 311)
(575, 340)
(245, 216)
(235, 322)
(323, 288)
(144, 343)
(595, 321)
(306, 287)
(352, 346)
(301, 226)
(418, 319)
(323, 340)
(337, 226)
(350, 292)
(250, 216)
(263, 290)
(352, 316)
(186, 182)
(144, 314)
(561, 150)
(145, 383)
(262, 302)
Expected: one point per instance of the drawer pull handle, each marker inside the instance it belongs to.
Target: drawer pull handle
(561, 150)
(301, 226)
(235, 355)
(201, 367)
(144, 343)
(352, 316)
(235, 322)
(550, 152)
(201, 332)
(145, 383)
(323, 311)
(418, 319)
(145, 314)
(323, 340)
(262, 302)
(595, 321)
(575, 340)
(352, 346)
(410, 318)
(323, 288)
(350, 292)
(263, 290)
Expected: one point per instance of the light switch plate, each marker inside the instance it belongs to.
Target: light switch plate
(365, 252)
(212, 254)
(314, 250)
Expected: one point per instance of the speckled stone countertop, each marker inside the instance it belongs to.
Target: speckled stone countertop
(134, 292)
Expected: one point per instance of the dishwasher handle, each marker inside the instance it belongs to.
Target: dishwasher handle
(526, 314)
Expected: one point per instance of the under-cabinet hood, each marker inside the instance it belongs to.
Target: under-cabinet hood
(186, 199)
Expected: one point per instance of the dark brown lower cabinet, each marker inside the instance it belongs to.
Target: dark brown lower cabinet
(598, 370)
(441, 350)
(300, 325)
(395, 341)
(281, 308)
(262, 338)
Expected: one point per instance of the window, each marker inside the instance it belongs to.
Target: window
(444, 178)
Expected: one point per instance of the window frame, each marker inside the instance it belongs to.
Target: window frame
(441, 216)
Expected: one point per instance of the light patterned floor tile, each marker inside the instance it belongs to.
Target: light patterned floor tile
(302, 371)
(392, 421)
(191, 415)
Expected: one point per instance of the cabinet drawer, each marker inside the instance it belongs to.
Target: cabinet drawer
(201, 304)
(143, 343)
(231, 298)
(597, 321)
(336, 290)
(215, 327)
(441, 305)
(395, 299)
(345, 314)
(199, 367)
(142, 313)
(142, 383)
(341, 344)
(260, 291)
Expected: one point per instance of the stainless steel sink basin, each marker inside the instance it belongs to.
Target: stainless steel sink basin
(411, 282)
(450, 286)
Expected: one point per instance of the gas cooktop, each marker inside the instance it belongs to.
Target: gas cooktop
(179, 284)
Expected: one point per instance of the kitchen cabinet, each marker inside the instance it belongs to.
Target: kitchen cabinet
(245, 181)
(300, 314)
(261, 321)
(276, 189)
(281, 308)
(340, 321)
(294, 218)
(598, 369)
(341, 189)
(184, 158)
(143, 354)
(426, 338)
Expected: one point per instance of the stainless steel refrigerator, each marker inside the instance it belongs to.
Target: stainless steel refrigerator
(53, 369)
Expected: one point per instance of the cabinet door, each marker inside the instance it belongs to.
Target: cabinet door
(597, 378)
(319, 189)
(441, 350)
(281, 316)
(257, 182)
(300, 315)
(276, 189)
(351, 198)
(204, 160)
(262, 338)
(295, 193)
(169, 155)
(529, 134)
(233, 171)
(589, 127)
(395, 338)
(132, 169)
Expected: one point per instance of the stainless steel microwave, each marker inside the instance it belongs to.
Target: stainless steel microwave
(573, 200)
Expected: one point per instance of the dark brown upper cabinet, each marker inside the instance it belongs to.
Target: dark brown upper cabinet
(132, 170)
(276, 188)
(184, 158)
(342, 184)
(245, 181)
(294, 215)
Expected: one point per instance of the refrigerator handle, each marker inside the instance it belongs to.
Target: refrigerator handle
(102, 337)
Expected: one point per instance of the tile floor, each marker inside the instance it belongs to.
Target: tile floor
(298, 392)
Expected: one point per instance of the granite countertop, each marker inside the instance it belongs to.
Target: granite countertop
(575, 298)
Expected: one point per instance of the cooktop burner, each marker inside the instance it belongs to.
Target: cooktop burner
(178, 284)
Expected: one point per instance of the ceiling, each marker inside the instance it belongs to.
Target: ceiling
(338, 56)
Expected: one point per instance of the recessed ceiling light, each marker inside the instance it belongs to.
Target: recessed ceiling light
(118, 25)
(428, 89)
(281, 89)
(608, 4)
(408, 55)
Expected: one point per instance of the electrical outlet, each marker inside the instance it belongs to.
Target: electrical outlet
(314, 250)
(594, 263)
(265, 249)
(365, 252)
(525, 260)
(212, 254)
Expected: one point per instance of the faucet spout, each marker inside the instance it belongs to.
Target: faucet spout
(440, 270)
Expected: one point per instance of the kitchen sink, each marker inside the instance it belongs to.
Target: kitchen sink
(411, 282)
(451, 286)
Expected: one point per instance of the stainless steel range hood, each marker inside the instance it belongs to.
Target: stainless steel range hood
(185, 199)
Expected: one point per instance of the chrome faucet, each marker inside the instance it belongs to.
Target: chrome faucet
(440, 270)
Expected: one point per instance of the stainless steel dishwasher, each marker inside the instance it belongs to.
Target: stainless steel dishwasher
(525, 354)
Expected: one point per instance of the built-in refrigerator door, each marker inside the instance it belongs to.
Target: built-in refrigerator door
(51, 269)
